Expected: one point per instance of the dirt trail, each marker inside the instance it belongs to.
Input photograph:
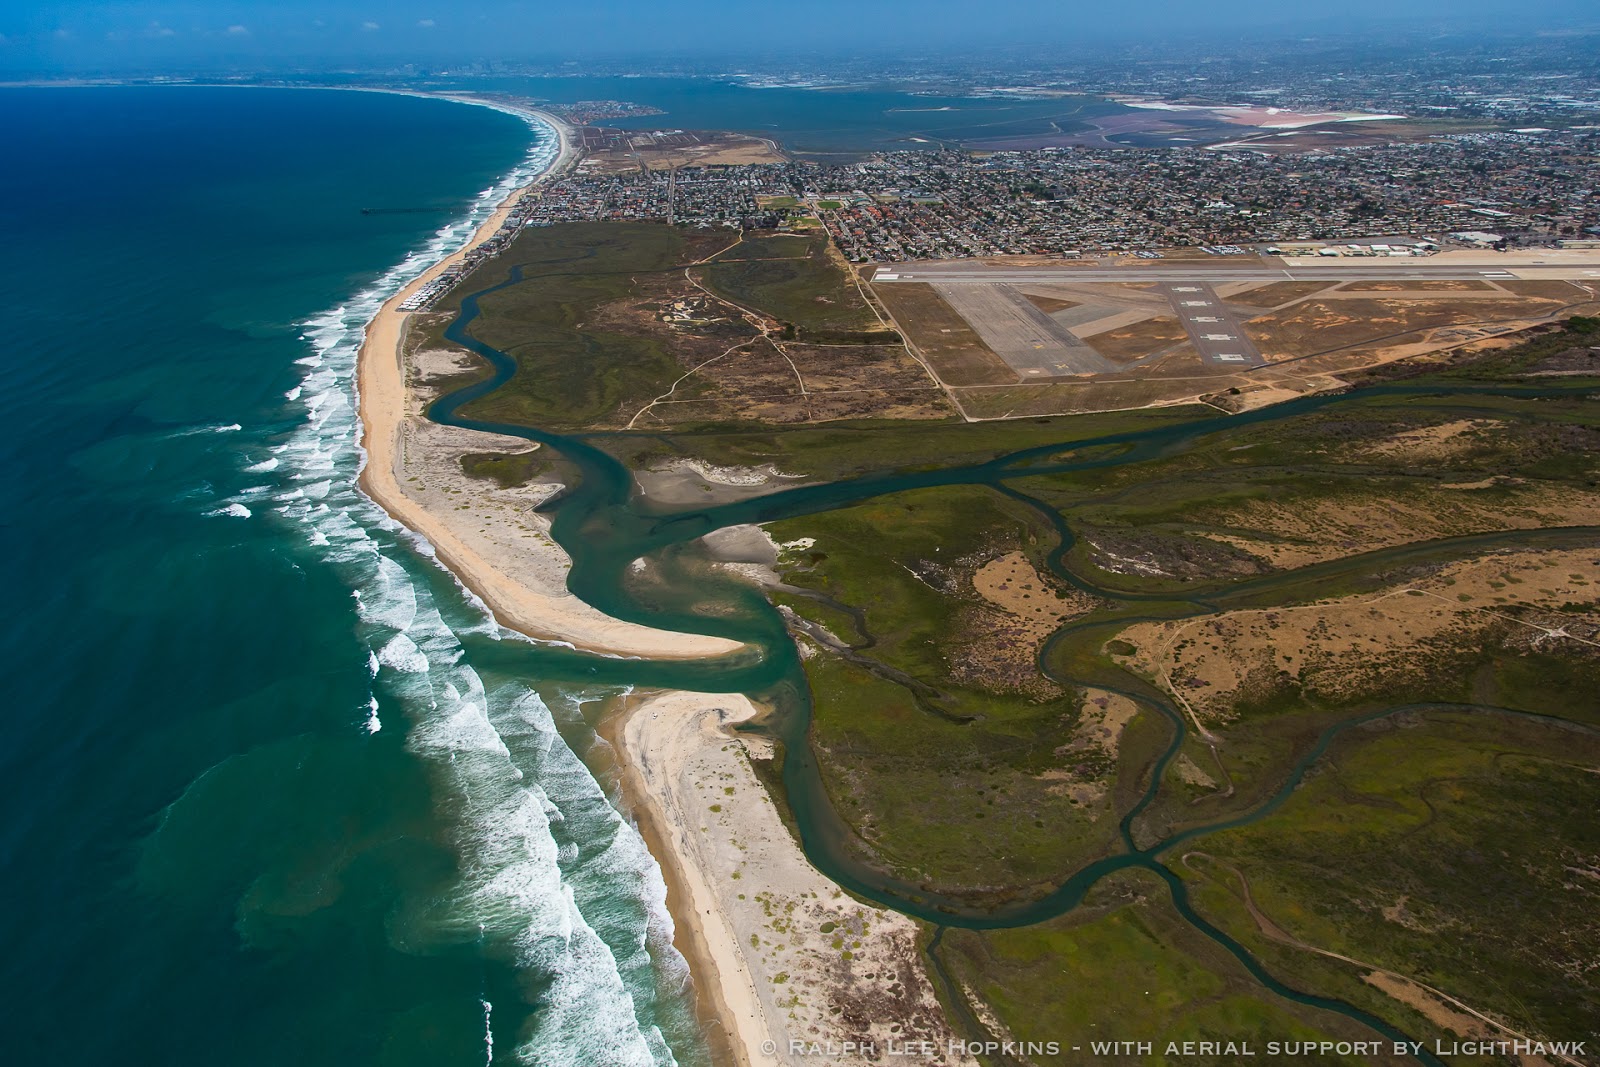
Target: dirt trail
(1464, 1019)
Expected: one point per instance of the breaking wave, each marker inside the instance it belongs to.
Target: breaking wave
(550, 878)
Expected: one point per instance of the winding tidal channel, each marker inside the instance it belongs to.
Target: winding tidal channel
(605, 526)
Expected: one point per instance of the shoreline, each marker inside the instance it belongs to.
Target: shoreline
(724, 987)
(711, 1005)
(768, 966)
(383, 397)
(788, 961)
(384, 400)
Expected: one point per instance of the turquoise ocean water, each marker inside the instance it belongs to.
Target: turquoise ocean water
(261, 805)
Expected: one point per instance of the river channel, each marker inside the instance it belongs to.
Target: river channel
(605, 525)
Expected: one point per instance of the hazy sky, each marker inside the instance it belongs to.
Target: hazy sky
(181, 33)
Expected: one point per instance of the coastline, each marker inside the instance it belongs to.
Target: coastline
(385, 407)
(687, 899)
(786, 960)
(384, 402)
(790, 958)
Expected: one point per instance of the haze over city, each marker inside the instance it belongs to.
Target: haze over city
(41, 37)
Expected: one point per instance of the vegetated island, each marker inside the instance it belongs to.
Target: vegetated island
(1161, 723)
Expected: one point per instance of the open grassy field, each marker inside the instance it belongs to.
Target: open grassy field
(803, 288)
(611, 328)
(573, 371)
(847, 449)
(775, 246)
(1276, 294)
(1425, 285)
(1138, 339)
(1050, 304)
(1109, 394)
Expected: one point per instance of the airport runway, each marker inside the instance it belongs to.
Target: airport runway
(1215, 330)
(1031, 342)
(1213, 273)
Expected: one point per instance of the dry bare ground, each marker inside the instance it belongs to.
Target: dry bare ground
(1019, 609)
(1297, 534)
(1338, 647)
(1087, 760)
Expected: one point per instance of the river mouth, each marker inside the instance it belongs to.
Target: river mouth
(606, 525)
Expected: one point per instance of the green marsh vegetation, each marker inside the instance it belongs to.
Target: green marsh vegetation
(508, 470)
(1127, 967)
(943, 775)
(1458, 849)
(952, 778)
(1426, 805)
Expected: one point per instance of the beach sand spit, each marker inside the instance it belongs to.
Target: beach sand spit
(790, 962)
(521, 578)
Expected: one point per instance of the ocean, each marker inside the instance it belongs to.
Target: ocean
(263, 801)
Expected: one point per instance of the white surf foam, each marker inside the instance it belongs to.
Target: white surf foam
(230, 427)
(521, 893)
(236, 511)
(402, 654)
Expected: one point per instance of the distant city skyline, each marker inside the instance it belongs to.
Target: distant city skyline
(161, 34)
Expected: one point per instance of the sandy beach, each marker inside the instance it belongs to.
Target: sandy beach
(496, 545)
(504, 558)
(779, 954)
(786, 957)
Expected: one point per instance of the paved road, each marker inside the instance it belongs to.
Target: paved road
(1370, 271)
(1215, 330)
